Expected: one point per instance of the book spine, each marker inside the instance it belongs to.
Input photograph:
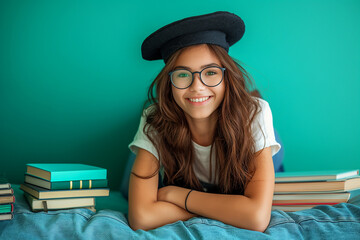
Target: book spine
(286, 204)
(80, 184)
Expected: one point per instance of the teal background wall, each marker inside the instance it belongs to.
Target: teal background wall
(72, 80)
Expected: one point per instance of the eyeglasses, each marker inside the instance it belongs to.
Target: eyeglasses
(209, 76)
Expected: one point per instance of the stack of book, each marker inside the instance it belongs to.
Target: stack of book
(7, 200)
(295, 191)
(63, 185)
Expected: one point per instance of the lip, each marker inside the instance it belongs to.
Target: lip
(198, 103)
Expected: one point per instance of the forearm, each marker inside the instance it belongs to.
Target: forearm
(157, 214)
(236, 210)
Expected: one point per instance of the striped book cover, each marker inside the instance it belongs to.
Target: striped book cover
(66, 185)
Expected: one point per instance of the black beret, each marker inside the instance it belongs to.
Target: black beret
(219, 28)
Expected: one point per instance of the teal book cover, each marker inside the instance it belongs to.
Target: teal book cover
(55, 172)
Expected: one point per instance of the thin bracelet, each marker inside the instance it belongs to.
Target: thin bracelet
(186, 200)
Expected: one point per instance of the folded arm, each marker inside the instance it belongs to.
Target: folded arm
(145, 210)
(250, 211)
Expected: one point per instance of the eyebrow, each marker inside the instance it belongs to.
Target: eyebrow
(203, 66)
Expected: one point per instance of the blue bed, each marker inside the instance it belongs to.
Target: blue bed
(341, 221)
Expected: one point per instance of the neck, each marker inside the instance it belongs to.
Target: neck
(202, 130)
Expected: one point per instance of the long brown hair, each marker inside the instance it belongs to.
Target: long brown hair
(167, 128)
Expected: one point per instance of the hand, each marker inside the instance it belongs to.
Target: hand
(173, 194)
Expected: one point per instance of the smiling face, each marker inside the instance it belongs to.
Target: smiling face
(198, 101)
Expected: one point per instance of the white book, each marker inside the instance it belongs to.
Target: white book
(311, 198)
(315, 175)
(62, 203)
(6, 216)
(293, 208)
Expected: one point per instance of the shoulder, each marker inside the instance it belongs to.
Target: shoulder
(263, 129)
(150, 112)
(146, 113)
(141, 139)
(263, 115)
(264, 107)
(262, 102)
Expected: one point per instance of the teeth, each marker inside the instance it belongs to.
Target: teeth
(199, 99)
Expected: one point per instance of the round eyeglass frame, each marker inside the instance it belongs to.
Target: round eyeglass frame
(192, 74)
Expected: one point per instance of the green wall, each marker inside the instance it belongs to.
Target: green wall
(72, 80)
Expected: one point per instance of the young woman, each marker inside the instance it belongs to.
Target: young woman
(207, 139)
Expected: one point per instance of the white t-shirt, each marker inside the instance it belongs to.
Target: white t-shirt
(263, 120)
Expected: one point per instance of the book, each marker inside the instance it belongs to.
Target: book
(310, 198)
(66, 185)
(42, 193)
(314, 175)
(304, 204)
(55, 172)
(92, 209)
(293, 208)
(7, 199)
(6, 191)
(6, 216)
(341, 185)
(6, 208)
(52, 204)
(4, 183)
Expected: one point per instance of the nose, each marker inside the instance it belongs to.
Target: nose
(197, 85)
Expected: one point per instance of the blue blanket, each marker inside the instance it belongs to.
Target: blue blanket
(323, 222)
